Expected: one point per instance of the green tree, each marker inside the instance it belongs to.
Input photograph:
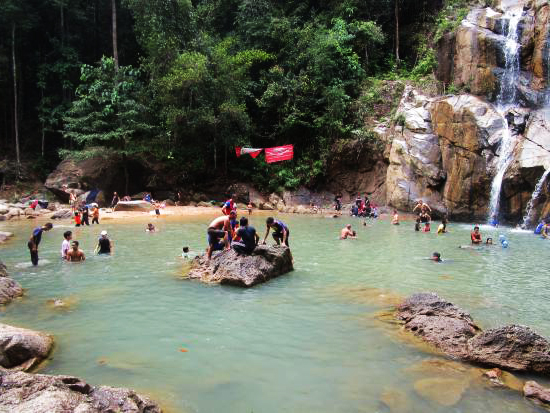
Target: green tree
(109, 116)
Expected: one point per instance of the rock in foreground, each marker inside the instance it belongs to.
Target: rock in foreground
(23, 349)
(438, 322)
(9, 289)
(227, 267)
(512, 347)
(39, 393)
(453, 331)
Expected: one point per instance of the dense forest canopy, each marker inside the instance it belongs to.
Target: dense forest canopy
(182, 82)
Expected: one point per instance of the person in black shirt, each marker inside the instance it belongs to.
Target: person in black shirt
(104, 244)
(35, 239)
(85, 216)
(249, 238)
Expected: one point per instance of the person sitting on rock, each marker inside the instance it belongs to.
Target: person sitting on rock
(422, 206)
(218, 233)
(280, 231)
(249, 238)
(476, 236)
(75, 254)
(347, 232)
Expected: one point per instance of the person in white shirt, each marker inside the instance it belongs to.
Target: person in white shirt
(66, 245)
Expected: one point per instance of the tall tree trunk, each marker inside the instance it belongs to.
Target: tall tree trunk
(225, 156)
(397, 32)
(15, 117)
(62, 32)
(115, 40)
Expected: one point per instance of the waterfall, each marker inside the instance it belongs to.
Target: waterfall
(536, 193)
(510, 77)
(505, 99)
(507, 144)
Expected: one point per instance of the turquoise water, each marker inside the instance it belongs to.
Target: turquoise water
(310, 341)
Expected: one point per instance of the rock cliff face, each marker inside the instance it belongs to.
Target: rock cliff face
(473, 58)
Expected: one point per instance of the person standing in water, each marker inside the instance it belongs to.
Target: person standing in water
(85, 216)
(75, 254)
(395, 219)
(115, 200)
(66, 244)
(347, 232)
(104, 244)
(476, 236)
(35, 239)
(280, 231)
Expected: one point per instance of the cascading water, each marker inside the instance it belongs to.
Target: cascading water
(536, 193)
(505, 99)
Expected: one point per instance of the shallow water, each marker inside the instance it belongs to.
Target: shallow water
(311, 341)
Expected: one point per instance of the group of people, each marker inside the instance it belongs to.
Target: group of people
(543, 229)
(70, 249)
(82, 215)
(226, 232)
(361, 207)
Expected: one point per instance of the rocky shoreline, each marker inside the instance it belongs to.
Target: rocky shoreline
(452, 331)
(23, 350)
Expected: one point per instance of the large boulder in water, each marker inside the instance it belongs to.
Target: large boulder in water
(228, 267)
(40, 393)
(23, 349)
(511, 347)
(139, 206)
(453, 331)
(438, 322)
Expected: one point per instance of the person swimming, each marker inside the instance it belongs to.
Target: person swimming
(395, 219)
(150, 228)
(347, 232)
(489, 241)
(436, 257)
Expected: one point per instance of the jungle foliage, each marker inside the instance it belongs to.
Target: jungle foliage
(182, 82)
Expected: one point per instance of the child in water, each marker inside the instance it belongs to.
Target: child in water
(150, 228)
(395, 219)
(427, 227)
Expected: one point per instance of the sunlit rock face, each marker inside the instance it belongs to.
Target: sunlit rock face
(473, 57)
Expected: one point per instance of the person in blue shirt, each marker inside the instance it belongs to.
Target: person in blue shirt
(35, 239)
(249, 238)
(280, 231)
(539, 227)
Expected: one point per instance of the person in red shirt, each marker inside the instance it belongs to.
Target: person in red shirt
(476, 236)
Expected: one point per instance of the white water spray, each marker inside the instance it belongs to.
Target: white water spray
(536, 193)
(505, 99)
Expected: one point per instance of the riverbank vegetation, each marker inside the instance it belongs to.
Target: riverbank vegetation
(183, 82)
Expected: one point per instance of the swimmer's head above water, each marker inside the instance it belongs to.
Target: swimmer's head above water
(436, 256)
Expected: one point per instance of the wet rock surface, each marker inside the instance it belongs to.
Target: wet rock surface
(511, 347)
(9, 289)
(39, 393)
(438, 322)
(453, 331)
(23, 349)
(536, 392)
(227, 267)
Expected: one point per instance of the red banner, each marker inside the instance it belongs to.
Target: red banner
(279, 153)
(254, 152)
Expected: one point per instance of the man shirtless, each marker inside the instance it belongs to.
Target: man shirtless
(75, 254)
(422, 206)
(347, 232)
(218, 233)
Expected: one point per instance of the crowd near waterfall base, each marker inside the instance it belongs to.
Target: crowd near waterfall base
(255, 206)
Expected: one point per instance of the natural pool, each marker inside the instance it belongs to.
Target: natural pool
(310, 341)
